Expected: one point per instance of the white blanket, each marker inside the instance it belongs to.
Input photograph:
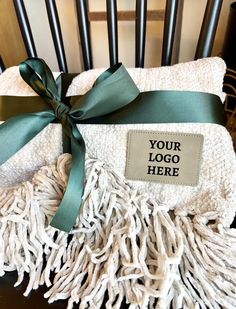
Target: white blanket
(218, 172)
(154, 245)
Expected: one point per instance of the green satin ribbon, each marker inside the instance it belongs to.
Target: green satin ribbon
(19, 130)
(114, 99)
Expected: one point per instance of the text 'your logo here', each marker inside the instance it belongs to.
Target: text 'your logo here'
(164, 157)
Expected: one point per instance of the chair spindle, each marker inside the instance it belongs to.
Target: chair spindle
(140, 32)
(56, 34)
(2, 66)
(112, 31)
(171, 11)
(208, 29)
(25, 28)
(84, 30)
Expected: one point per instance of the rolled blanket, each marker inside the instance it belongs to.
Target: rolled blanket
(154, 245)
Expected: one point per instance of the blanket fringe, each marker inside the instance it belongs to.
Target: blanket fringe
(123, 246)
(208, 264)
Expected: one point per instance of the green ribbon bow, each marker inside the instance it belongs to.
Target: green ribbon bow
(114, 99)
(19, 130)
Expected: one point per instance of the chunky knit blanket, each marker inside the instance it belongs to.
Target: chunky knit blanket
(154, 245)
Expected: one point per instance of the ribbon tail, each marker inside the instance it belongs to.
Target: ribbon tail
(19, 130)
(68, 210)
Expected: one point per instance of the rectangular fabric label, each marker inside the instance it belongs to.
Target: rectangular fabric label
(165, 157)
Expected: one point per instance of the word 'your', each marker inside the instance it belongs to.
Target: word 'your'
(162, 158)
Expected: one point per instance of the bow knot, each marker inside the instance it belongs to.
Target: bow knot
(61, 112)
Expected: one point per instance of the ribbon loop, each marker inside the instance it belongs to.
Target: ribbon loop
(39, 77)
(120, 91)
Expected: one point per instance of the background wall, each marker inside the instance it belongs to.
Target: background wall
(11, 46)
(12, 50)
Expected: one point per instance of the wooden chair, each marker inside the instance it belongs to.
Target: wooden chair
(141, 15)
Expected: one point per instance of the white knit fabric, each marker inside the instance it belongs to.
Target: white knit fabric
(205, 75)
(153, 244)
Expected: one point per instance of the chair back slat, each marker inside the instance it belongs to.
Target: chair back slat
(140, 32)
(2, 66)
(56, 34)
(25, 28)
(208, 29)
(141, 15)
(84, 30)
(171, 12)
(152, 15)
(112, 31)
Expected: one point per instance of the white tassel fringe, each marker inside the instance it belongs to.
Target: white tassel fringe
(124, 245)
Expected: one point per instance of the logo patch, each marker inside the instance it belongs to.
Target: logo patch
(165, 157)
